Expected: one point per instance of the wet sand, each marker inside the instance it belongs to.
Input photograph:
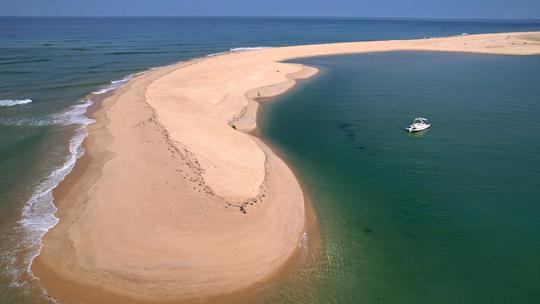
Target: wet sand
(176, 199)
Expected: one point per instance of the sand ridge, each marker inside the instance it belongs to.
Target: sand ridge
(175, 199)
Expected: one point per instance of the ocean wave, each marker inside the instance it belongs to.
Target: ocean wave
(24, 61)
(38, 215)
(72, 116)
(217, 54)
(242, 49)
(136, 52)
(75, 115)
(114, 84)
(14, 102)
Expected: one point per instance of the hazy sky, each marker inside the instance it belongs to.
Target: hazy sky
(519, 9)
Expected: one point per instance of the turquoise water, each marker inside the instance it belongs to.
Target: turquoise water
(450, 215)
(48, 66)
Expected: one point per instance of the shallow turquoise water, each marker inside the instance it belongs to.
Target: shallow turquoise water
(451, 215)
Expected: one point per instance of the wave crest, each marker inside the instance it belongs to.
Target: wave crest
(254, 48)
(240, 49)
(114, 85)
(73, 115)
(14, 102)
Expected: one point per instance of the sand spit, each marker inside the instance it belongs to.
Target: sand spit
(175, 199)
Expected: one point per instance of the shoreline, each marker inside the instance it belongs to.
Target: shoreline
(72, 291)
(277, 78)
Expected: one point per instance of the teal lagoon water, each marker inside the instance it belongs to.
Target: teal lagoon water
(48, 66)
(449, 215)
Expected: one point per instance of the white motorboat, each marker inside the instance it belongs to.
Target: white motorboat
(419, 124)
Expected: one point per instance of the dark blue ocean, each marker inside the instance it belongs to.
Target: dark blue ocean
(378, 239)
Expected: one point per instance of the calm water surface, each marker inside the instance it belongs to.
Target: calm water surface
(57, 62)
(450, 215)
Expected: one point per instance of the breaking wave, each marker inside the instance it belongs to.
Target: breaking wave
(73, 115)
(242, 49)
(14, 102)
(38, 214)
(113, 85)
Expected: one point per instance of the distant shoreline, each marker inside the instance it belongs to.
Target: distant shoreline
(174, 199)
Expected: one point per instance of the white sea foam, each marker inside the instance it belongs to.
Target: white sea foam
(38, 214)
(217, 54)
(73, 115)
(158, 67)
(240, 49)
(243, 49)
(303, 242)
(14, 102)
(114, 85)
(103, 91)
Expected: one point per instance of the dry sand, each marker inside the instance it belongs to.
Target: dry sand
(175, 199)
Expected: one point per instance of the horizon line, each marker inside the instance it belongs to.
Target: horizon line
(274, 16)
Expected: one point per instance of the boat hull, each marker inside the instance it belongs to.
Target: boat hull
(412, 129)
